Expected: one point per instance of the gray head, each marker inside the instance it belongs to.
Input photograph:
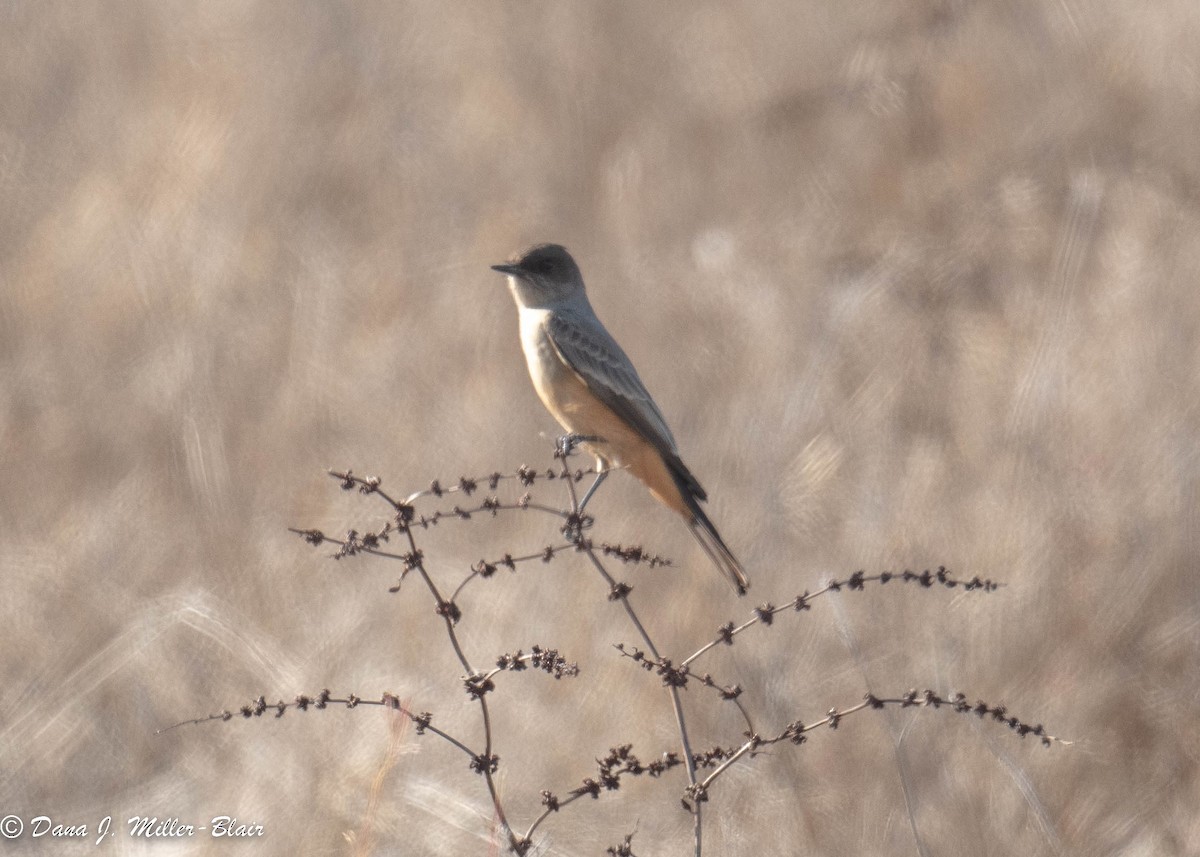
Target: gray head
(543, 275)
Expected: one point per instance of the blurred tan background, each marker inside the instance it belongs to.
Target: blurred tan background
(915, 283)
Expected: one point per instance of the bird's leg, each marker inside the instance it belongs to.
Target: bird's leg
(566, 445)
(601, 475)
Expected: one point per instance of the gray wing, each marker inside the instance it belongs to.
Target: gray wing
(591, 352)
(587, 348)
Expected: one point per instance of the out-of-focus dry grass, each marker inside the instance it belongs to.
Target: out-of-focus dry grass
(915, 284)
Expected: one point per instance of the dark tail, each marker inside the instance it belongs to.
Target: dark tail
(717, 550)
(703, 529)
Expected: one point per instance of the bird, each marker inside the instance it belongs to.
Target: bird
(592, 389)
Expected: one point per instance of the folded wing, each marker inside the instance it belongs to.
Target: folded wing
(588, 349)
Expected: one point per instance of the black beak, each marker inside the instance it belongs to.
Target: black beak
(511, 270)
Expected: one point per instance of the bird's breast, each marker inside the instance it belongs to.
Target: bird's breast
(567, 397)
(556, 384)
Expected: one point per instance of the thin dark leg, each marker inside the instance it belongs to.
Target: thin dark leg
(600, 477)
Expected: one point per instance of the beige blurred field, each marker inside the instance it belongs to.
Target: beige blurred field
(914, 283)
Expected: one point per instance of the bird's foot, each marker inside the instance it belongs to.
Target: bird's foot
(566, 444)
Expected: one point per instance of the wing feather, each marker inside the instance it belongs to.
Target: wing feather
(591, 352)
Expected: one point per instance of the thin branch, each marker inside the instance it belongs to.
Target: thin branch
(527, 476)
(673, 676)
(855, 583)
(485, 569)
(548, 661)
(620, 762)
(322, 701)
(796, 731)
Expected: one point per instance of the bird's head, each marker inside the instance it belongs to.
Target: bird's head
(543, 275)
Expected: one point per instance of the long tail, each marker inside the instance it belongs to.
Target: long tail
(691, 494)
(719, 552)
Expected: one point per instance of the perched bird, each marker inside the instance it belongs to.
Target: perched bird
(588, 384)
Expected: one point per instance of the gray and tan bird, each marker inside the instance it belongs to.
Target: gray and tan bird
(588, 384)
